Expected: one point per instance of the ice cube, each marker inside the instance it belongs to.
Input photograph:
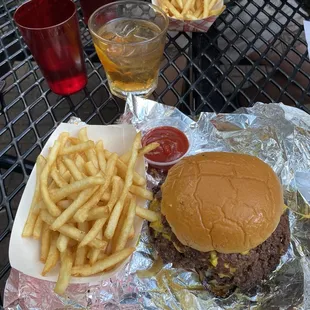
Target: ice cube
(136, 12)
(144, 33)
(125, 28)
(115, 50)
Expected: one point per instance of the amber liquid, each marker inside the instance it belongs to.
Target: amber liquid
(132, 56)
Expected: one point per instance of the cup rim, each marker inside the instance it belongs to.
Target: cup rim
(155, 7)
(43, 28)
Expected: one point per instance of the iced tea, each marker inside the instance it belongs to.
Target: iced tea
(130, 49)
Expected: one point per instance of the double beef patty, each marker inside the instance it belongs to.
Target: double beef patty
(223, 272)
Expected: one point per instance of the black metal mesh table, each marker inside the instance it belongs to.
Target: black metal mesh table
(198, 74)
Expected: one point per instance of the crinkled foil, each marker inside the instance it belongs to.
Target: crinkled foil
(277, 134)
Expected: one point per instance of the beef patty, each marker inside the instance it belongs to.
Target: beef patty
(219, 272)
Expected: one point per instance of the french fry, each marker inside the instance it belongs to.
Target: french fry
(77, 186)
(90, 168)
(206, 8)
(81, 253)
(190, 16)
(53, 255)
(83, 155)
(63, 138)
(81, 147)
(90, 153)
(81, 215)
(180, 4)
(217, 12)
(97, 213)
(71, 231)
(211, 4)
(199, 4)
(171, 8)
(62, 181)
(30, 223)
(69, 163)
(99, 266)
(45, 241)
(106, 196)
(122, 170)
(52, 185)
(102, 255)
(100, 154)
(37, 228)
(165, 9)
(39, 206)
(74, 140)
(59, 179)
(198, 12)
(80, 163)
(94, 253)
(115, 172)
(187, 6)
(132, 233)
(148, 148)
(62, 243)
(94, 231)
(175, 4)
(119, 227)
(117, 210)
(127, 226)
(51, 206)
(67, 214)
(64, 272)
(64, 204)
(117, 186)
(146, 214)
(33, 214)
(60, 166)
(141, 192)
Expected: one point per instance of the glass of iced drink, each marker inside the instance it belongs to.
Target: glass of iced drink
(50, 29)
(129, 37)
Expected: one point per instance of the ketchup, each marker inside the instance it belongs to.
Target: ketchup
(173, 144)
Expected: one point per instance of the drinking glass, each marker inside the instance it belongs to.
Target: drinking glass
(129, 37)
(50, 30)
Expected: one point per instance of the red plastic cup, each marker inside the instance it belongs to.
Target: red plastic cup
(50, 29)
(90, 6)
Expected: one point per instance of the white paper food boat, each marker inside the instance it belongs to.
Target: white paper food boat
(24, 252)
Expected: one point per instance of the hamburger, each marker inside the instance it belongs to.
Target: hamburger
(223, 215)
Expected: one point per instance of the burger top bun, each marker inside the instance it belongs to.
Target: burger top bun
(225, 202)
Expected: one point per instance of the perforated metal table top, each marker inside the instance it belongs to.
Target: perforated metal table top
(254, 52)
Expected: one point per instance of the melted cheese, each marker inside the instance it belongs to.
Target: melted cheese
(213, 259)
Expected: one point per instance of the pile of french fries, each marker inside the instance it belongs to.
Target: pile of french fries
(84, 206)
(190, 9)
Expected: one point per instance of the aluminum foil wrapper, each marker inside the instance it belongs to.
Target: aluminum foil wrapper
(277, 134)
